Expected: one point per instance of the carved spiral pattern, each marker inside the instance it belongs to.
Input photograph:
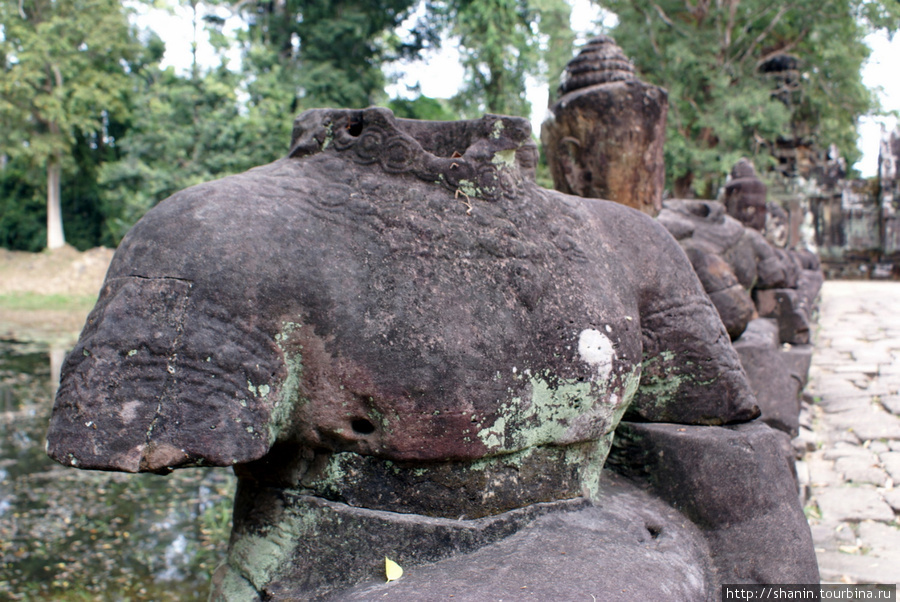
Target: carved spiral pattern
(600, 61)
(397, 153)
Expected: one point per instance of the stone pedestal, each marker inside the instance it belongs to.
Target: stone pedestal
(736, 483)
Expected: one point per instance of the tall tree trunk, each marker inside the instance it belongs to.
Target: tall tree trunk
(55, 236)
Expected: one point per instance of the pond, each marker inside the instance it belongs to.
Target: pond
(69, 534)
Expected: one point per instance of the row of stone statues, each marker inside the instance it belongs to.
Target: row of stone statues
(407, 348)
(604, 140)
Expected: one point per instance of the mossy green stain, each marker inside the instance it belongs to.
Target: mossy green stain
(329, 135)
(662, 388)
(377, 416)
(234, 587)
(555, 406)
(259, 558)
(289, 396)
(469, 189)
(497, 129)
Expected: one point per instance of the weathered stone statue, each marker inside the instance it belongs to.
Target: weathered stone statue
(730, 260)
(605, 136)
(747, 278)
(745, 196)
(405, 347)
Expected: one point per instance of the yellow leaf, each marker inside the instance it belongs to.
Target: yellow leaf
(392, 570)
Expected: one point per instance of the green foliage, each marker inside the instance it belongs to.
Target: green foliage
(80, 93)
(556, 39)
(61, 72)
(708, 55)
(189, 131)
(23, 212)
(64, 76)
(423, 107)
(328, 52)
(503, 43)
(498, 49)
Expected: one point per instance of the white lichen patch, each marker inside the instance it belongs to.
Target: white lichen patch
(497, 129)
(504, 159)
(129, 411)
(597, 350)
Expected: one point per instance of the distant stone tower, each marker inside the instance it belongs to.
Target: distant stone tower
(604, 138)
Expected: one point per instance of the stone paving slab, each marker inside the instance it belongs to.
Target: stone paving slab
(839, 567)
(852, 504)
(891, 462)
(893, 499)
(892, 404)
(842, 449)
(851, 460)
(822, 472)
(861, 470)
(868, 424)
(842, 402)
(882, 539)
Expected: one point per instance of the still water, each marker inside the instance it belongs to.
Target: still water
(68, 534)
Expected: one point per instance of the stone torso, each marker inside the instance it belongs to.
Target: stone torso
(378, 298)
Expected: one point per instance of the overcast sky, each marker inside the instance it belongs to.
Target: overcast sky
(440, 75)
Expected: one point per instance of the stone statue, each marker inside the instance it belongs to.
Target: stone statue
(731, 260)
(745, 196)
(604, 138)
(747, 278)
(403, 345)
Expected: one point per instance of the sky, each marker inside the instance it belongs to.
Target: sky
(883, 74)
(440, 74)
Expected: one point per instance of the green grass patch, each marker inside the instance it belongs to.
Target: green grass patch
(36, 301)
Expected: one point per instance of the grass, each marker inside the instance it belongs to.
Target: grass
(35, 301)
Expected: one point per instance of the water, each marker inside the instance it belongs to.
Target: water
(68, 534)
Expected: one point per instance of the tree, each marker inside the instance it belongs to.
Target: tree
(327, 52)
(63, 75)
(556, 40)
(710, 56)
(498, 49)
(191, 130)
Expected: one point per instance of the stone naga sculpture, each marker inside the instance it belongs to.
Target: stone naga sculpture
(394, 317)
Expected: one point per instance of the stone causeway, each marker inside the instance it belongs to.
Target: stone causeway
(849, 438)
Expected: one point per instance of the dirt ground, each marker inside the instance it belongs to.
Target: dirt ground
(75, 275)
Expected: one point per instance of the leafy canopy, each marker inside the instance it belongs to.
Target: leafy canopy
(65, 69)
(709, 56)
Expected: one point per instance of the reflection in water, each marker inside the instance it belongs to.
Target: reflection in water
(88, 535)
